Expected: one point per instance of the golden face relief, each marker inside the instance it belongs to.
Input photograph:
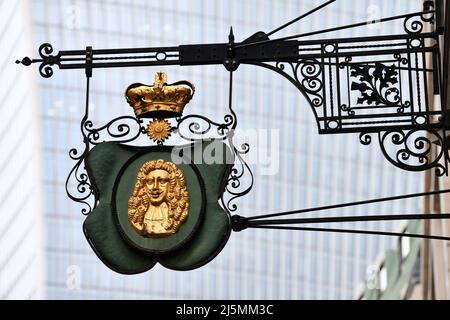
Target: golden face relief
(159, 204)
(157, 186)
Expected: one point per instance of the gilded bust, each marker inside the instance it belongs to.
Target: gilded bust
(159, 204)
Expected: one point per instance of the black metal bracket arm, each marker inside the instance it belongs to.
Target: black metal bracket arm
(183, 55)
(231, 58)
(382, 86)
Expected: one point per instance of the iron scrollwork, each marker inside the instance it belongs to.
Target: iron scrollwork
(305, 74)
(45, 52)
(233, 186)
(412, 25)
(412, 150)
(120, 130)
(116, 129)
(195, 127)
(83, 189)
(199, 127)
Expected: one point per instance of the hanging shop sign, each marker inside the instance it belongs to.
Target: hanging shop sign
(157, 204)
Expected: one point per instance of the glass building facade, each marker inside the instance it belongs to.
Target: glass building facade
(307, 169)
(22, 256)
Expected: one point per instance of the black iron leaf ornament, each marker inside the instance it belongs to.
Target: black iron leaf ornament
(376, 87)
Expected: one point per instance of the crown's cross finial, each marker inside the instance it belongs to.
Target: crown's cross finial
(160, 79)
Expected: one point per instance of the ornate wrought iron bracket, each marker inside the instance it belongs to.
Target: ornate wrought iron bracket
(380, 85)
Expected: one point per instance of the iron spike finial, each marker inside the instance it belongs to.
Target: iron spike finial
(231, 35)
(25, 61)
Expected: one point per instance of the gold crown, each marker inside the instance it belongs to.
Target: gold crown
(161, 100)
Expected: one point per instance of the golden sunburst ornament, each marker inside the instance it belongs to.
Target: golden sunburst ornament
(159, 130)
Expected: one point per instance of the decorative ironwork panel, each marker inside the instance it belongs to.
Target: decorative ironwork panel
(357, 84)
(375, 84)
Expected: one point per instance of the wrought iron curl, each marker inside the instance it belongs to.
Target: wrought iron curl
(45, 52)
(414, 149)
(344, 107)
(117, 129)
(415, 23)
(401, 59)
(233, 185)
(416, 152)
(413, 26)
(365, 138)
(198, 125)
(45, 70)
(346, 62)
(83, 188)
(311, 70)
(428, 17)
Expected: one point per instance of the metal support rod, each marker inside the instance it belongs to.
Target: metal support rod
(380, 233)
(360, 218)
(300, 17)
(350, 204)
(355, 25)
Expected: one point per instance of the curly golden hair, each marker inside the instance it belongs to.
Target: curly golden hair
(177, 197)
